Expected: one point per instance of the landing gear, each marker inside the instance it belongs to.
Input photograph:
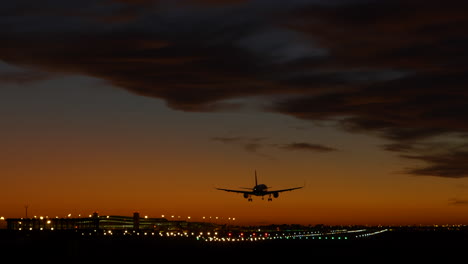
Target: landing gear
(250, 199)
(269, 198)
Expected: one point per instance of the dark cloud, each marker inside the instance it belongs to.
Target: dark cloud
(227, 140)
(249, 144)
(252, 145)
(461, 202)
(12, 74)
(23, 77)
(419, 92)
(449, 164)
(395, 69)
(214, 2)
(306, 147)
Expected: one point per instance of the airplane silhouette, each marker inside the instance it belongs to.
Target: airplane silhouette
(259, 190)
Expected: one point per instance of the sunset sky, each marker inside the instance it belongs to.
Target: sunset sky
(119, 106)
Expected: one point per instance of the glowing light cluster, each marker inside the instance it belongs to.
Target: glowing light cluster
(343, 234)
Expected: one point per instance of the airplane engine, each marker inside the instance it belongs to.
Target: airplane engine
(246, 195)
(275, 194)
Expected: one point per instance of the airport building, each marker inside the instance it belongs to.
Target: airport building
(109, 222)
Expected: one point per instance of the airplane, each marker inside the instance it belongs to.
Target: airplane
(259, 190)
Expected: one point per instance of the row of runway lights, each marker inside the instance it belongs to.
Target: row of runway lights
(336, 234)
(372, 234)
(214, 236)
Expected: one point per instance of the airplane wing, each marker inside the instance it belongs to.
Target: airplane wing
(283, 190)
(236, 191)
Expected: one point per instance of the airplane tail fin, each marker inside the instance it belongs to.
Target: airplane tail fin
(256, 178)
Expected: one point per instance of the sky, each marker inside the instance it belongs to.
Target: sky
(121, 106)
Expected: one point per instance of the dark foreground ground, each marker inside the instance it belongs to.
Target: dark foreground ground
(398, 245)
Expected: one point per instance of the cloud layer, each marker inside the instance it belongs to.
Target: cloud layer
(395, 69)
(253, 145)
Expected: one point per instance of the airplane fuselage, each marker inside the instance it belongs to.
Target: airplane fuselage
(260, 189)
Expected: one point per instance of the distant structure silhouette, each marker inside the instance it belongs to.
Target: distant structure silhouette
(108, 222)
